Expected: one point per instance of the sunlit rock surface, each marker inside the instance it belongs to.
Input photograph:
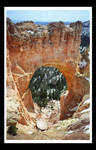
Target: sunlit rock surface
(16, 111)
(12, 105)
(29, 47)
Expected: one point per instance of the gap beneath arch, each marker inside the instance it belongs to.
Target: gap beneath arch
(46, 84)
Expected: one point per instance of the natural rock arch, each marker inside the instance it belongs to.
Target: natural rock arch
(25, 56)
(77, 87)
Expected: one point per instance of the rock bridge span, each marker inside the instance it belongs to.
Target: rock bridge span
(77, 87)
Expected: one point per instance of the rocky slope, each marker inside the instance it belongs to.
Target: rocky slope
(31, 46)
(75, 128)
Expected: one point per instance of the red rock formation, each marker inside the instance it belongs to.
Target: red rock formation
(83, 108)
(57, 45)
(12, 110)
(28, 101)
(16, 110)
(85, 69)
(83, 115)
(77, 87)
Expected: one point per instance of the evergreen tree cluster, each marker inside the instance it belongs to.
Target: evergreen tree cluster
(85, 41)
(46, 84)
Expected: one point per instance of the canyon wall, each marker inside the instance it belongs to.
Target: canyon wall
(31, 46)
(15, 108)
(55, 42)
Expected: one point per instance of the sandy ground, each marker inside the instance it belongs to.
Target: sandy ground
(38, 136)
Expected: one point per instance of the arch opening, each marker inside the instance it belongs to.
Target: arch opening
(46, 84)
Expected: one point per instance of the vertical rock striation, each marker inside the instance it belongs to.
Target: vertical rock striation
(57, 42)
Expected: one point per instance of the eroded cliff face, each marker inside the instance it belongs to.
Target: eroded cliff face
(16, 110)
(54, 42)
(12, 103)
(31, 46)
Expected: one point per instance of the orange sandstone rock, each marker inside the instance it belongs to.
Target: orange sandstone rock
(28, 101)
(59, 48)
(18, 109)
